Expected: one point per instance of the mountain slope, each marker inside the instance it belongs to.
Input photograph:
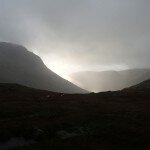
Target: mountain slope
(17, 65)
(37, 119)
(143, 86)
(109, 80)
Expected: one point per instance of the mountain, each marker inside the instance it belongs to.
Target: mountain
(143, 86)
(18, 65)
(109, 80)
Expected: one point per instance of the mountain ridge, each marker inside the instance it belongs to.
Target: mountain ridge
(18, 65)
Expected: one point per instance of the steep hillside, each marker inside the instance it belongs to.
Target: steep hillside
(17, 65)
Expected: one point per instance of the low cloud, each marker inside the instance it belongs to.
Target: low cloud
(80, 34)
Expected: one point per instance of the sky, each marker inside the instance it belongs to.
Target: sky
(78, 35)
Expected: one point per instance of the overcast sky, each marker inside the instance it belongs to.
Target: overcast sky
(75, 35)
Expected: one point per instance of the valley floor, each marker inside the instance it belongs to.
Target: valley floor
(40, 120)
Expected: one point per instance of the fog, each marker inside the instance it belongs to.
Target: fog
(78, 35)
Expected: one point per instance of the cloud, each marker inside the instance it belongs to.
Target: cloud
(87, 34)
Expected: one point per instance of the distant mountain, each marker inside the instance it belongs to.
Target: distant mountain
(109, 80)
(18, 65)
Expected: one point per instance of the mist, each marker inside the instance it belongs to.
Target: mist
(109, 80)
(75, 35)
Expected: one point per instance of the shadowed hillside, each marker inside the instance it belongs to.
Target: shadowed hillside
(33, 119)
(143, 86)
(17, 65)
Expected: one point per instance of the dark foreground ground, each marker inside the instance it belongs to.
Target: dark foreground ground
(40, 120)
